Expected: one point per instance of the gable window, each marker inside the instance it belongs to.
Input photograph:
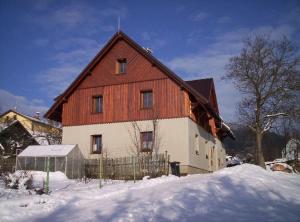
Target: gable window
(121, 66)
(96, 144)
(97, 104)
(146, 141)
(146, 99)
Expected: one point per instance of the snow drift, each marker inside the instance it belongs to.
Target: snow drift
(241, 193)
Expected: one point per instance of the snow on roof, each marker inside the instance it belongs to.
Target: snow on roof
(50, 150)
(228, 129)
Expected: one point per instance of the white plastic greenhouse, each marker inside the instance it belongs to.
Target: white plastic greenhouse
(65, 158)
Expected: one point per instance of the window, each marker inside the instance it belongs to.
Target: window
(146, 99)
(196, 144)
(211, 156)
(146, 141)
(97, 104)
(121, 66)
(96, 144)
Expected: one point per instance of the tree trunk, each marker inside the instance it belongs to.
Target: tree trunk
(260, 160)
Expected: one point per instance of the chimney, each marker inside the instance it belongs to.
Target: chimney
(37, 115)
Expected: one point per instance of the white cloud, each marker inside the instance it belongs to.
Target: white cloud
(55, 80)
(200, 16)
(78, 42)
(211, 62)
(76, 16)
(23, 105)
(41, 42)
(224, 19)
(69, 55)
(70, 59)
(153, 40)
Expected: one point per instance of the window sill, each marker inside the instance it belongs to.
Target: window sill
(96, 152)
(146, 108)
(146, 150)
(93, 113)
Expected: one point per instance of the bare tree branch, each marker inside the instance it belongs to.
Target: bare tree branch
(267, 73)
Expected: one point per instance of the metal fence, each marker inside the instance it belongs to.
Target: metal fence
(128, 168)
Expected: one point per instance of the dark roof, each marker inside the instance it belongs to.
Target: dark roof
(10, 131)
(202, 86)
(55, 110)
(15, 123)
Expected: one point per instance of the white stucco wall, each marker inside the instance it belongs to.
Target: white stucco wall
(117, 137)
(177, 136)
(203, 148)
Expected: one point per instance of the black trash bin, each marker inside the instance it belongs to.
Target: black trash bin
(175, 168)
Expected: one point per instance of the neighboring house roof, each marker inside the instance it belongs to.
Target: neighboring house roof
(203, 86)
(25, 116)
(206, 88)
(14, 123)
(55, 111)
(34, 135)
(45, 151)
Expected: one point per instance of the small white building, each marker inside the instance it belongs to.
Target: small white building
(65, 158)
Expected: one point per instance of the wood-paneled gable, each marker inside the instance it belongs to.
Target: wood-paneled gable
(121, 92)
(138, 68)
(122, 103)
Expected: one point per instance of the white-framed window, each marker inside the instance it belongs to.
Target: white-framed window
(146, 141)
(96, 144)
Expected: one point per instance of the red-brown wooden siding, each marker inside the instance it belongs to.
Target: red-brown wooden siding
(121, 93)
(122, 103)
(138, 68)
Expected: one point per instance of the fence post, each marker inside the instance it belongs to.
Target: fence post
(47, 177)
(166, 163)
(100, 169)
(133, 158)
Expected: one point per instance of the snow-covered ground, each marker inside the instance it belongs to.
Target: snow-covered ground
(241, 193)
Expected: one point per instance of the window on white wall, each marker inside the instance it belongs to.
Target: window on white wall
(96, 144)
(196, 144)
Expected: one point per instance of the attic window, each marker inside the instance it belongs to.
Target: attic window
(121, 66)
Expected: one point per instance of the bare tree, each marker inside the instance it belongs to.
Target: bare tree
(266, 73)
(135, 136)
(51, 136)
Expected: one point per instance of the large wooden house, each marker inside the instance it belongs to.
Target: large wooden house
(127, 102)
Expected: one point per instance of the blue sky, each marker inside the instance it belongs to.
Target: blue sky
(46, 43)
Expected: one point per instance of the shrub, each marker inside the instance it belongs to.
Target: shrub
(19, 180)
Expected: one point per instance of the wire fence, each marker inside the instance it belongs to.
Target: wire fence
(128, 168)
